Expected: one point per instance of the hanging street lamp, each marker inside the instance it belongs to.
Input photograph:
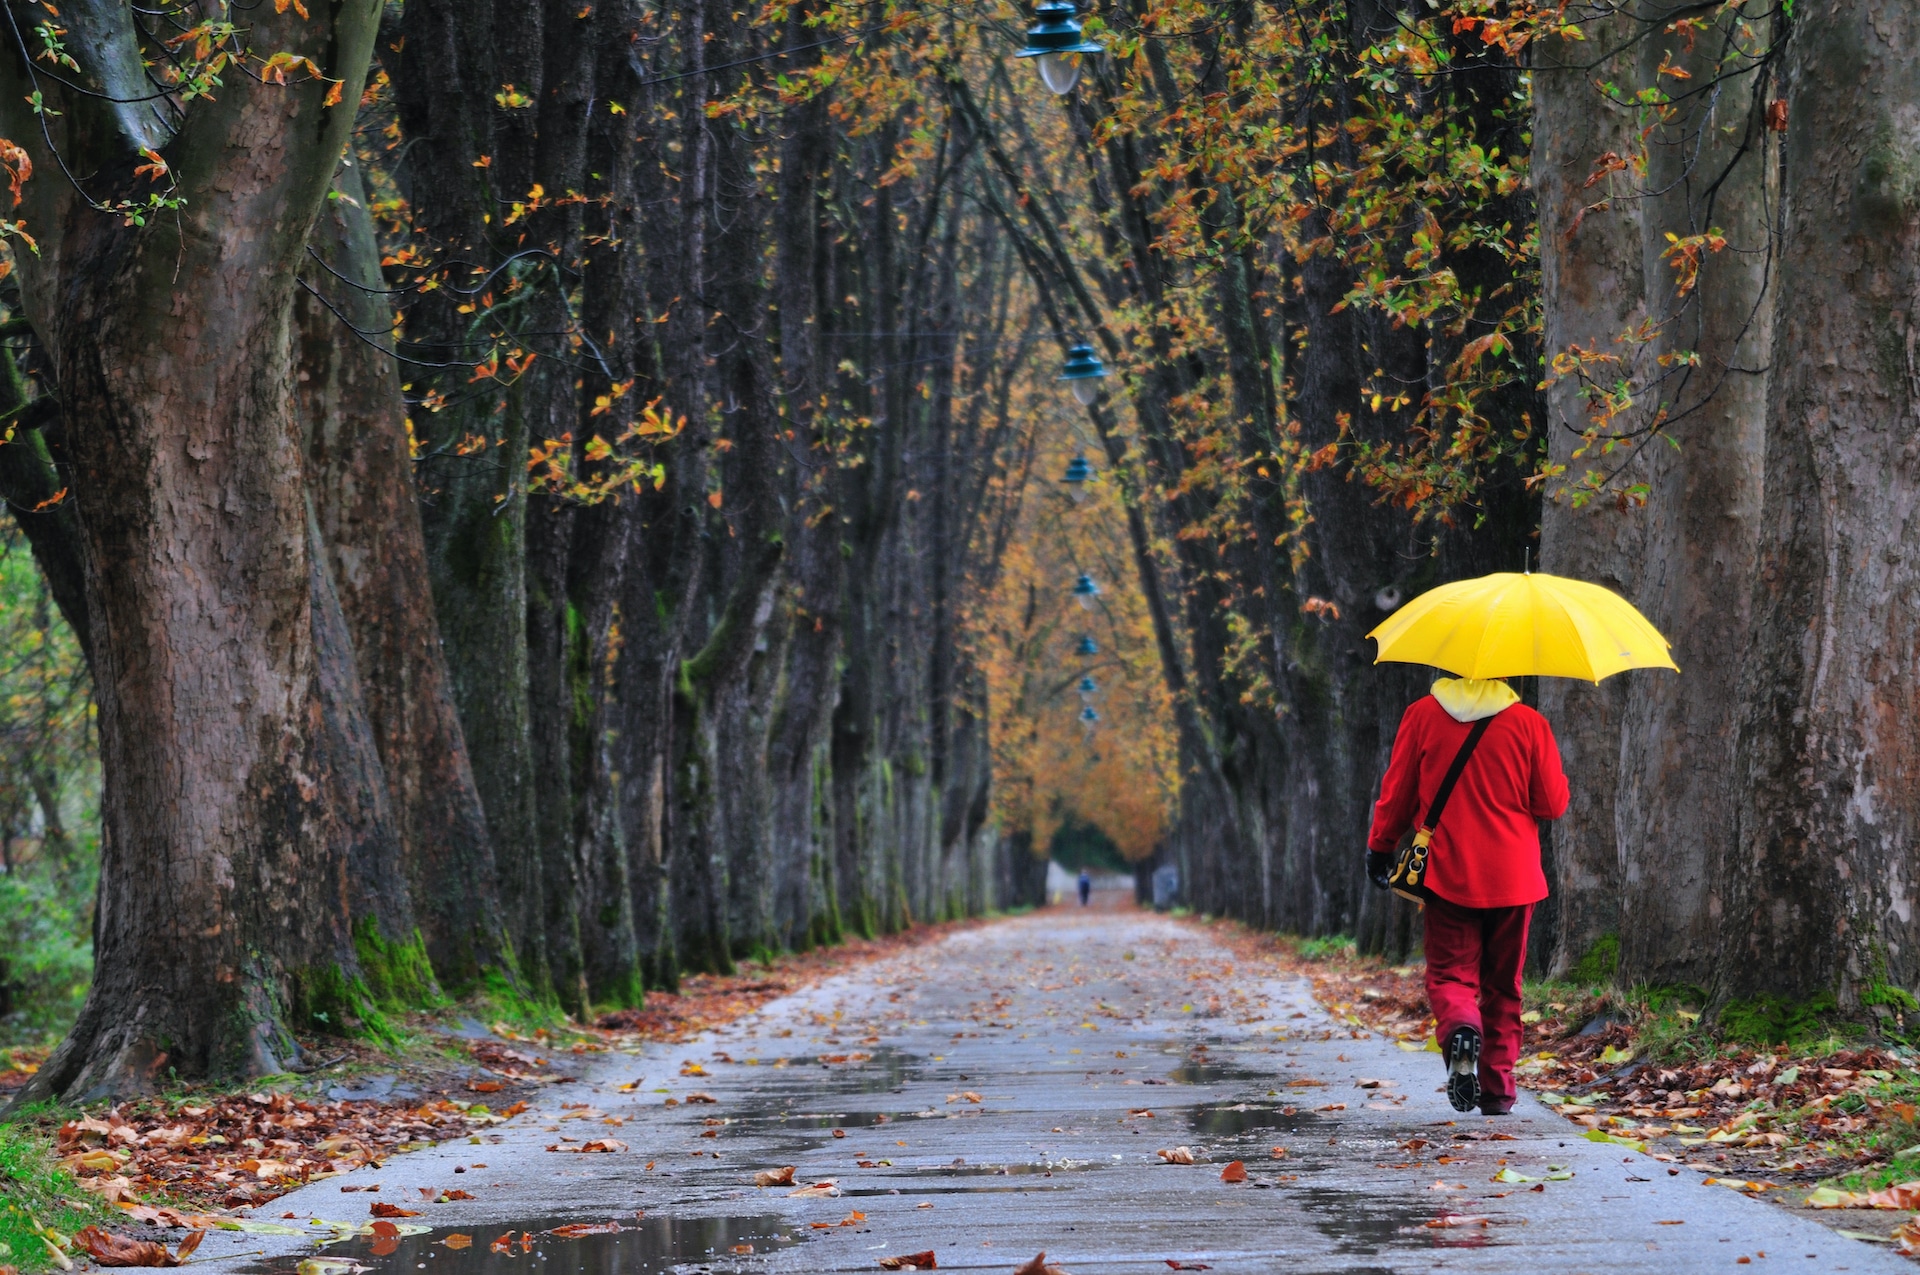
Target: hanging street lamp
(1056, 40)
(1082, 373)
(1088, 646)
(1090, 716)
(1078, 474)
(1088, 689)
(1085, 591)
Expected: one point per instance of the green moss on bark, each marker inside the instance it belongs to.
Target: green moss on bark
(398, 975)
(330, 1000)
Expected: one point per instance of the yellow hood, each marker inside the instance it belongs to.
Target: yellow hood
(1468, 699)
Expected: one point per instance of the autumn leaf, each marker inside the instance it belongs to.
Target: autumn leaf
(698, 1096)
(155, 167)
(818, 1191)
(457, 1240)
(1235, 1172)
(1176, 1155)
(448, 1197)
(485, 1086)
(1188, 1266)
(1038, 1266)
(380, 1208)
(574, 1230)
(114, 1250)
(910, 1262)
(774, 1177)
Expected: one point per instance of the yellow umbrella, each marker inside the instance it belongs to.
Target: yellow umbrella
(1512, 625)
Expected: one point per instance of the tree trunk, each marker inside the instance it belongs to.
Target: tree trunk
(224, 885)
(362, 490)
(1592, 289)
(1674, 812)
(1829, 794)
(464, 160)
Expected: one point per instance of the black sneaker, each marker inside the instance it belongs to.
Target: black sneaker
(1462, 1055)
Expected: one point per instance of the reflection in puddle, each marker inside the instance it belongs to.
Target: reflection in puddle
(1366, 1224)
(642, 1246)
(1202, 1071)
(1244, 1118)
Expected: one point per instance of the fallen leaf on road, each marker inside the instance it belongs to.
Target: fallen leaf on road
(698, 1096)
(574, 1230)
(1508, 1175)
(1188, 1266)
(839, 1133)
(1235, 1172)
(458, 1241)
(114, 1250)
(1332, 1106)
(168, 1217)
(485, 1086)
(692, 1069)
(1038, 1266)
(774, 1177)
(1279, 1153)
(1460, 1219)
(1176, 1155)
(328, 1266)
(818, 1191)
(380, 1208)
(968, 1096)
(910, 1262)
(1903, 1196)
(448, 1197)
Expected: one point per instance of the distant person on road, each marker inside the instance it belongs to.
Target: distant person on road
(1483, 872)
(1086, 887)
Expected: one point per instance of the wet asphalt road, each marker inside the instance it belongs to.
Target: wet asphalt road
(993, 1092)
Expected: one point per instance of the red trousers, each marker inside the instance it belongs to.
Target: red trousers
(1474, 961)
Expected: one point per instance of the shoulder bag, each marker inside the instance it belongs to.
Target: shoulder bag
(1409, 876)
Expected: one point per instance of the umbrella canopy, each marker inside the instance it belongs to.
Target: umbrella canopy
(1513, 625)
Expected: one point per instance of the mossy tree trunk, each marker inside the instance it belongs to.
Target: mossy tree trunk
(235, 802)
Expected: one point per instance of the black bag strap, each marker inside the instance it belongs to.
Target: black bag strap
(1453, 772)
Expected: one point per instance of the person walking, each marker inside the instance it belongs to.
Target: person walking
(1086, 887)
(1483, 873)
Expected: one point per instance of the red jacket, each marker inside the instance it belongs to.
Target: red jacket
(1486, 852)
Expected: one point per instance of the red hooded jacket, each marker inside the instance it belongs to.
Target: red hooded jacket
(1486, 851)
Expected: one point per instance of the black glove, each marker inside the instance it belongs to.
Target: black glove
(1379, 867)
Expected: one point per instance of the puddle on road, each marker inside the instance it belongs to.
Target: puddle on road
(1243, 1119)
(1364, 1224)
(882, 1069)
(643, 1246)
(1205, 1071)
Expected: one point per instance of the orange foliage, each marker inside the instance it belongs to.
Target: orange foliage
(1121, 776)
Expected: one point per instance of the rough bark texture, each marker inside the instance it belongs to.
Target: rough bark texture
(1829, 797)
(226, 837)
(362, 485)
(1593, 288)
(1674, 809)
(448, 58)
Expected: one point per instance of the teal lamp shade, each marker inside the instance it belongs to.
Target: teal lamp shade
(1055, 40)
(1083, 373)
